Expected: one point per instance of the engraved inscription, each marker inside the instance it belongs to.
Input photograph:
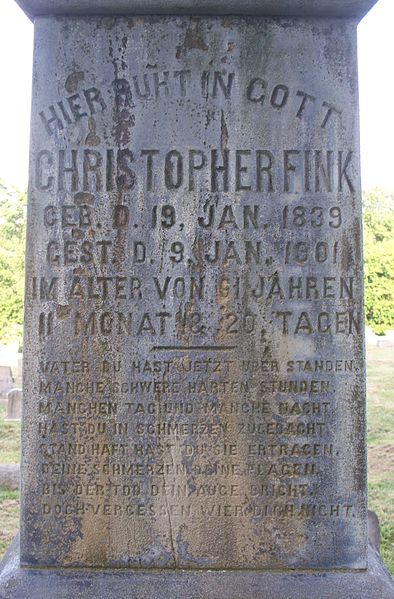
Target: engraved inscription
(194, 302)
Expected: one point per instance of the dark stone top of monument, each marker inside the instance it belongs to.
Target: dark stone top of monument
(279, 8)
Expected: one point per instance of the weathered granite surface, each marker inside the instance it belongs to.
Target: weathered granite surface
(287, 8)
(194, 366)
(194, 357)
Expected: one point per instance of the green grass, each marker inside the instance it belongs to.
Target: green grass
(9, 500)
(9, 439)
(9, 521)
(380, 414)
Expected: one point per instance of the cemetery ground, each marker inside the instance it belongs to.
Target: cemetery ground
(380, 408)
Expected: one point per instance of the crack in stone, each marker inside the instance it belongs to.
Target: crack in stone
(167, 506)
(170, 522)
(223, 133)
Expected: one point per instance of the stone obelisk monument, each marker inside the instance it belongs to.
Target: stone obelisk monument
(194, 393)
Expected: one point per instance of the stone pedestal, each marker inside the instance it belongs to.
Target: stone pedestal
(35, 583)
(194, 393)
(23, 583)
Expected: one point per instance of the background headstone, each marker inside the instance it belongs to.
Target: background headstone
(194, 377)
(14, 404)
(9, 476)
(19, 369)
(11, 357)
(387, 340)
(6, 380)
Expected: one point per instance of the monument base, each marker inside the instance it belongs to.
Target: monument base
(23, 583)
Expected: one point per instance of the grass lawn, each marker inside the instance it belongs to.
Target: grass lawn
(9, 517)
(9, 500)
(380, 414)
(380, 408)
(9, 439)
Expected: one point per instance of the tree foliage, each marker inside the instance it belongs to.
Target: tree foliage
(379, 260)
(12, 250)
